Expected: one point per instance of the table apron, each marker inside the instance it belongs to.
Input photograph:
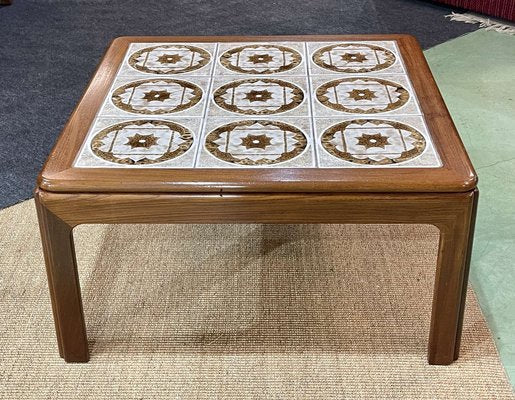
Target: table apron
(438, 209)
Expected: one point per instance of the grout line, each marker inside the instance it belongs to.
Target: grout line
(314, 139)
(206, 108)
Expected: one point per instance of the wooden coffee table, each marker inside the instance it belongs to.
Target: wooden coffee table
(280, 129)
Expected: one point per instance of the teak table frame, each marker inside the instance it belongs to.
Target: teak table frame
(445, 197)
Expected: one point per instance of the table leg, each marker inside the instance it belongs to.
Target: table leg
(466, 273)
(452, 213)
(63, 282)
(451, 286)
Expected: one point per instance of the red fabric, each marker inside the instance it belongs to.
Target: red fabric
(497, 8)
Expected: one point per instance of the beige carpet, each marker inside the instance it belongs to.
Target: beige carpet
(238, 312)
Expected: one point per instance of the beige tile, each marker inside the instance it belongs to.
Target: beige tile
(169, 59)
(141, 143)
(257, 143)
(277, 58)
(392, 142)
(354, 57)
(238, 96)
(183, 96)
(358, 95)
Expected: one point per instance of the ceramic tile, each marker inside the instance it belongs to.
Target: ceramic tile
(157, 96)
(277, 58)
(238, 143)
(237, 96)
(376, 57)
(358, 95)
(141, 143)
(374, 142)
(168, 59)
(248, 105)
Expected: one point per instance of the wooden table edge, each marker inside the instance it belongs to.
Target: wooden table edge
(61, 183)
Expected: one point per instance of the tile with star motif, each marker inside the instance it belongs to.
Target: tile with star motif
(261, 58)
(159, 95)
(377, 57)
(157, 142)
(256, 143)
(362, 94)
(169, 59)
(377, 142)
(258, 96)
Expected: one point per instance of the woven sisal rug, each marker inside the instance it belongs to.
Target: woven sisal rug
(238, 312)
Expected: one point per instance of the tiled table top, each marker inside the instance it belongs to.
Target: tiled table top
(248, 105)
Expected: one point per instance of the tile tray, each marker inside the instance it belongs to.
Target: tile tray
(260, 105)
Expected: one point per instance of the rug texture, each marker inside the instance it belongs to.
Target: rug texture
(238, 312)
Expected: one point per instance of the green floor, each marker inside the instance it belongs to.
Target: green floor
(476, 75)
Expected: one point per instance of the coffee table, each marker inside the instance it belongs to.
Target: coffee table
(273, 130)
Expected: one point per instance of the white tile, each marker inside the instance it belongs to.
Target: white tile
(168, 59)
(168, 96)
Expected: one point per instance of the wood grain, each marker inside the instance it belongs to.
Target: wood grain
(274, 208)
(451, 285)
(63, 283)
(466, 271)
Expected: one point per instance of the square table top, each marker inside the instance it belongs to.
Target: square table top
(260, 114)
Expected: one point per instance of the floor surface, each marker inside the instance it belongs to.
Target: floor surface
(300, 312)
(476, 75)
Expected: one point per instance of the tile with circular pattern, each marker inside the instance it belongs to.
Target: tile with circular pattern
(261, 58)
(169, 59)
(141, 143)
(259, 96)
(334, 95)
(177, 96)
(354, 58)
(257, 143)
(374, 142)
